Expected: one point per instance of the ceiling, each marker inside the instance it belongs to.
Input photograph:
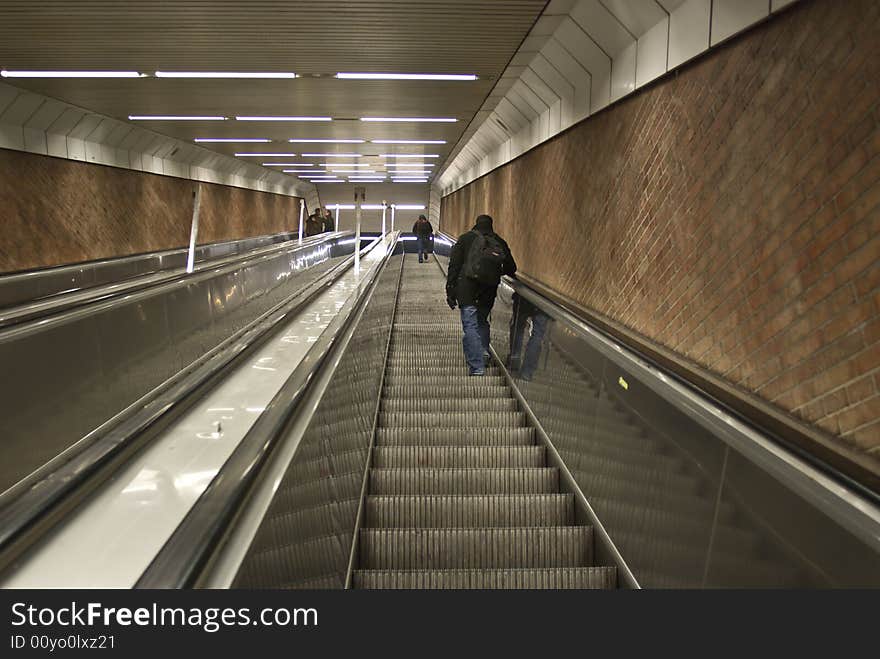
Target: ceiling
(313, 39)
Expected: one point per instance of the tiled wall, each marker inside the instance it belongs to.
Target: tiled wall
(55, 211)
(728, 212)
(580, 57)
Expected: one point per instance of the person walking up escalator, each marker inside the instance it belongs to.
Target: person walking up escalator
(424, 232)
(476, 264)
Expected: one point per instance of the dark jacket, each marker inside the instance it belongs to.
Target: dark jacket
(329, 223)
(463, 290)
(314, 225)
(423, 230)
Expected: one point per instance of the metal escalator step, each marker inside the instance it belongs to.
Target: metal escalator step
(402, 549)
(455, 436)
(458, 511)
(451, 419)
(510, 579)
(390, 404)
(438, 372)
(464, 481)
(464, 390)
(404, 343)
(404, 379)
(442, 457)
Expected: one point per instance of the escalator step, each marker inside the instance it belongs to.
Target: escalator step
(442, 457)
(512, 579)
(465, 390)
(455, 436)
(435, 511)
(464, 481)
(448, 405)
(404, 379)
(451, 419)
(560, 546)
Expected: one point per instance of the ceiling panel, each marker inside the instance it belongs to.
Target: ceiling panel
(313, 39)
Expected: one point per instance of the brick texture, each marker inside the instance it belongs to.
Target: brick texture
(55, 211)
(730, 212)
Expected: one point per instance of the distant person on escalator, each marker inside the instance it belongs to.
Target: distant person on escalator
(423, 232)
(328, 223)
(476, 264)
(315, 223)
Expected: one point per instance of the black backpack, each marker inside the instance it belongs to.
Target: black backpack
(485, 259)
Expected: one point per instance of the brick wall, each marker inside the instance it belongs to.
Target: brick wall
(728, 212)
(55, 211)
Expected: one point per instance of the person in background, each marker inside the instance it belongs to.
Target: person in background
(476, 264)
(423, 232)
(328, 223)
(315, 223)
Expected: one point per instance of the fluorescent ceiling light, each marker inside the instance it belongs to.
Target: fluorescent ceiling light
(71, 74)
(422, 119)
(372, 207)
(409, 165)
(224, 74)
(365, 180)
(287, 164)
(230, 139)
(410, 207)
(342, 207)
(318, 177)
(353, 171)
(344, 164)
(405, 76)
(327, 141)
(266, 155)
(304, 171)
(284, 118)
(408, 155)
(332, 155)
(410, 180)
(171, 117)
(408, 141)
(333, 181)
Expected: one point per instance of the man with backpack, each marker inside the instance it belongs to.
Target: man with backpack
(476, 264)
(423, 232)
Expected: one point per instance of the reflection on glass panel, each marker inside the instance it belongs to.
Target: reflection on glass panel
(305, 538)
(652, 474)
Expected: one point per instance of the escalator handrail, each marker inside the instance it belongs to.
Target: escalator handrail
(853, 506)
(25, 506)
(188, 551)
(75, 299)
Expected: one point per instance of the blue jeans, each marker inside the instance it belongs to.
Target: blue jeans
(423, 244)
(475, 325)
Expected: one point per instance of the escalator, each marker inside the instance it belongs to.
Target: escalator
(460, 494)
(380, 464)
